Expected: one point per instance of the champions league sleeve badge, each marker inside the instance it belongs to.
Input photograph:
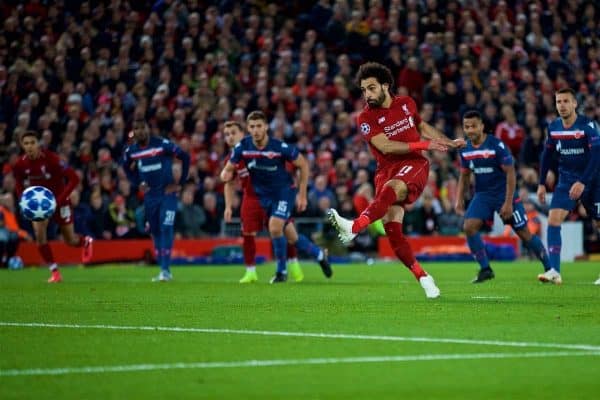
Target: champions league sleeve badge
(365, 128)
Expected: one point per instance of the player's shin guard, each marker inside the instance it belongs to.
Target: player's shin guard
(478, 250)
(554, 246)
(47, 255)
(249, 250)
(376, 209)
(402, 248)
(280, 250)
(535, 245)
(308, 247)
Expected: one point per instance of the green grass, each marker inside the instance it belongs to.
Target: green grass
(368, 300)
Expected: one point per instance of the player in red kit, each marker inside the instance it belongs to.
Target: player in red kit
(41, 167)
(393, 129)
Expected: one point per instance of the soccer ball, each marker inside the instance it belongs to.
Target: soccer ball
(15, 263)
(37, 203)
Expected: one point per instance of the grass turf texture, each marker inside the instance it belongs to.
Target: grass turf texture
(379, 300)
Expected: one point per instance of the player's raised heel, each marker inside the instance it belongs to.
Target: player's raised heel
(550, 276)
(295, 271)
(325, 265)
(428, 284)
(279, 278)
(483, 275)
(55, 277)
(342, 225)
(88, 249)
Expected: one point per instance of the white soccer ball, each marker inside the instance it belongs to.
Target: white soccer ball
(37, 203)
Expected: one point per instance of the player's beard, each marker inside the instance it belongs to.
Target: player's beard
(377, 102)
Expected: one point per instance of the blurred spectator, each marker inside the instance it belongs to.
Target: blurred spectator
(189, 218)
(99, 227)
(121, 220)
(509, 131)
(80, 75)
(214, 216)
(318, 190)
(82, 215)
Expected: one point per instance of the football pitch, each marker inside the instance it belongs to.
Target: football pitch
(107, 332)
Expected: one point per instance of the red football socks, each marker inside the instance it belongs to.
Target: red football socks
(46, 253)
(249, 250)
(402, 248)
(376, 209)
(292, 252)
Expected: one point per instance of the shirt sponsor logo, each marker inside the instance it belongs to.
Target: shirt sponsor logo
(483, 170)
(150, 167)
(399, 127)
(572, 152)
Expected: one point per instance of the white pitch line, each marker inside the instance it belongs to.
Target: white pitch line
(490, 297)
(588, 347)
(272, 363)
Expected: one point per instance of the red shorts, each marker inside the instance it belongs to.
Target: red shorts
(63, 214)
(254, 217)
(414, 173)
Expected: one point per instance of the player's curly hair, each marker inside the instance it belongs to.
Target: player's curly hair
(27, 133)
(377, 71)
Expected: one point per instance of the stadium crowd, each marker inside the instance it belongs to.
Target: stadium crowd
(80, 72)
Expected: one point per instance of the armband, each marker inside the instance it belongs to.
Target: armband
(418, 146)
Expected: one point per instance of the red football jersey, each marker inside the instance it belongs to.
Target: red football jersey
(242, 173)
(47, 170)
(399, 123)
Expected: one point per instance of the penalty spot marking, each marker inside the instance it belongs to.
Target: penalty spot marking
(272, 363)
(560, 346)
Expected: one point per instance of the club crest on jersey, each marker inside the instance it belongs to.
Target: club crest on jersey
(381, 120)
(365, 128)
(405, 109)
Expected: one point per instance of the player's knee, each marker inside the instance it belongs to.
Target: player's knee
(399, 187)
(524, 234)
(470, 228)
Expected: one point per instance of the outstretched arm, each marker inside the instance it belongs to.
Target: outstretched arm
(430, 132)
(387, 146)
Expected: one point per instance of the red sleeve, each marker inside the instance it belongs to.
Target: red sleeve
(72, 182)
(19, 178)
(413, 107)
(366, 126)
(62, 170)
